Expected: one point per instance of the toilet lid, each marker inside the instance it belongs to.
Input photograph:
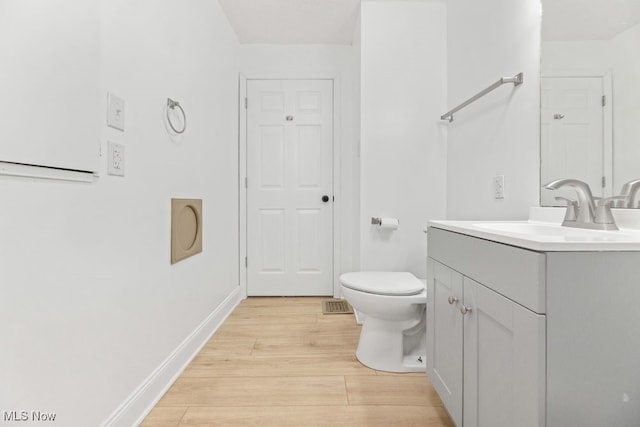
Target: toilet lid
(383, 283)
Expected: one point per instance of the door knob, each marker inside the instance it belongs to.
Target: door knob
(452, 300)
(464, 309)
(325, 198)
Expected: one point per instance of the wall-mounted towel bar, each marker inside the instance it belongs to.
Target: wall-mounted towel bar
(516, 80)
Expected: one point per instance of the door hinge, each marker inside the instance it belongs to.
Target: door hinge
(604, 100)
(604, 182)
(246, 182)
(246, 262)
(246, 103)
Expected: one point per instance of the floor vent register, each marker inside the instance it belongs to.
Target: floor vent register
(336, 306)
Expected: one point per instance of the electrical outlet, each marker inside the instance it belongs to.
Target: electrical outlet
(498, 186)
(115, 159)
(115, 112)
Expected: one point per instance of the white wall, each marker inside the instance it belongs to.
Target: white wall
(403, 149)
(499, 134)
(579, 58)
(91, 304)
(320, 61)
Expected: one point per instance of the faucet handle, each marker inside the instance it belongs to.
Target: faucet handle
(568, 200)
(610, 201)
(572, 209)
(603, 212)
(614, 201)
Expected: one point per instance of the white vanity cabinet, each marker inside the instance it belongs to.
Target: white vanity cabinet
(517, 337)
(503, 353)
(444, 343)
(497, 344)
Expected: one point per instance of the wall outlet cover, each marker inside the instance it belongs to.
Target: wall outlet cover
(115, 159)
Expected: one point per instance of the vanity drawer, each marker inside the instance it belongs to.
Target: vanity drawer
(516, 273)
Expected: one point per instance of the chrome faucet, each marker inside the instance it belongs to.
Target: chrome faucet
(586, 205)
(628, 194)
(585, 214)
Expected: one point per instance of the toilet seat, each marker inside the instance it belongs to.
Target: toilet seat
(383, 283)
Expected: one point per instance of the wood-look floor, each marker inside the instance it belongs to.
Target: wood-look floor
(281, 362)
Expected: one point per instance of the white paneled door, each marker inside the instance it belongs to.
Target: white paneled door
(572, 134)
(289, 187)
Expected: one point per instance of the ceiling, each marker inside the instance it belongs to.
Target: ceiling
(333, 21)
(565, 20)
(292, 21)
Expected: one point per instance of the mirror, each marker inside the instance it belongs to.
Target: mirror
(590, 95)
(50, 113)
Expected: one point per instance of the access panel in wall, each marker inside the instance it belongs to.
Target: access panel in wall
(186, 228)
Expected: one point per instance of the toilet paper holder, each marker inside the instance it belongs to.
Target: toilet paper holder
(376, 221)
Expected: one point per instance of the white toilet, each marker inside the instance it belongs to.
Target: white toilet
(393, 336)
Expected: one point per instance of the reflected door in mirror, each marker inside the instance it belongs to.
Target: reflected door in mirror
(572, 134)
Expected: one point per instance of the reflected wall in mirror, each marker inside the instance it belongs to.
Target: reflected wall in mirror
(590, 100)
(50, 109)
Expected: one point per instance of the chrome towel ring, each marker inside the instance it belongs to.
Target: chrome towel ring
(171, 104)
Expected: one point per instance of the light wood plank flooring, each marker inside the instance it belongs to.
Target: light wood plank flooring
(281, 362)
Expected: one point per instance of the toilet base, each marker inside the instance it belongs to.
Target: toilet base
(393, 346)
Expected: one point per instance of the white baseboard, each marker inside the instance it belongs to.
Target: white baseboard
(136, 407)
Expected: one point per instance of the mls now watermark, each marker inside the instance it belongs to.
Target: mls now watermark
(28, 416)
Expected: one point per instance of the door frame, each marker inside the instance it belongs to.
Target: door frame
(242, 170)
(607, 121)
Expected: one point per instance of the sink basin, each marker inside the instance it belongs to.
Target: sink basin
(542, 236)
(537, 230)
(522, 228)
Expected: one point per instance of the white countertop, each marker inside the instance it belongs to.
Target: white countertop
(545, 236)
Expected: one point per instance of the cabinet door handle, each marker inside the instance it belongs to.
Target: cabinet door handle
(452, 300)
(464, 309)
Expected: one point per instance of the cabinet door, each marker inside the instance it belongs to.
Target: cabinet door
(504, 361)
(444, 336)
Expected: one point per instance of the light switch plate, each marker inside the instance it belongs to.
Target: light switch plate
(498, 186)
(115, 160)
(115, 112)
